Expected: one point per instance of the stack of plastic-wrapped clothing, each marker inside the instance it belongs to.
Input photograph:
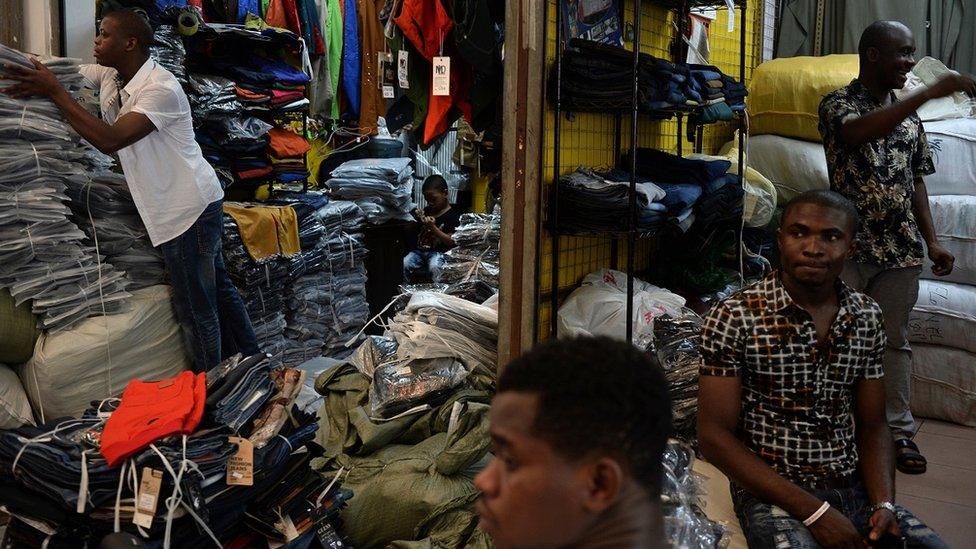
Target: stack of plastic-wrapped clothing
(43, 256)
(262, 286)
(236, 146)
(381, 186)
(103, 208)
(344, 299)
(676, 347)
(475, 258)
(60, 491)
(685, 522)
(167, 49)
(211, 97)
(600, 202)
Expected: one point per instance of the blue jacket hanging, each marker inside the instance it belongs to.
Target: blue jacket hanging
(247, 6)
(351, 57)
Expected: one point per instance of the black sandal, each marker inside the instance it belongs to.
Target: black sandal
(907, 457)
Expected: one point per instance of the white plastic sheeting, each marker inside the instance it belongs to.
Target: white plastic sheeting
(954, 218)
(944, 315)
(15, 409)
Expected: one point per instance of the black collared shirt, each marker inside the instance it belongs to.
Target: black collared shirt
(878, 177)
(797, 396)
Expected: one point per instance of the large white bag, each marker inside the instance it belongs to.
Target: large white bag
(954, 218)
(953, 144)
(945, 315)
(794, 166)
(97, 358)
(599, 307)
(15, 409)
(944, 384)
(926, 73)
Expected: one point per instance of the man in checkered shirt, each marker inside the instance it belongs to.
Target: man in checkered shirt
(791, 398)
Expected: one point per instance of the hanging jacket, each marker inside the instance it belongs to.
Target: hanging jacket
(247, 6)
(284, 15)
(372, 43)
(351, 57)
(333, 35)
(308, 13)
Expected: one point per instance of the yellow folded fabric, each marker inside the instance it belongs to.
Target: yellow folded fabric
(266, 231)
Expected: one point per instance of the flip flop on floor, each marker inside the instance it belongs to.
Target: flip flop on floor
(907, 457)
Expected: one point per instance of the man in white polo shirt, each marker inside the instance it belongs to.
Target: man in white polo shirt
(146, 120)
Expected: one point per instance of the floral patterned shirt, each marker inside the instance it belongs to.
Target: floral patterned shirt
(878, 177)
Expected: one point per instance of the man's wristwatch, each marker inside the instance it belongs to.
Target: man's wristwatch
(887, 505)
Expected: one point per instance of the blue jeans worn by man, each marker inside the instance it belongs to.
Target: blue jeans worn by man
(210, 310)
(420, 265)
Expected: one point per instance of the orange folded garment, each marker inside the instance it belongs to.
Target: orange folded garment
(286, 143)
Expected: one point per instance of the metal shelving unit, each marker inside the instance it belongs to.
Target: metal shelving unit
(681, 8)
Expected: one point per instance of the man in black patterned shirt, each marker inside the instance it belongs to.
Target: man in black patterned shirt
(791, 395)
(877, 155)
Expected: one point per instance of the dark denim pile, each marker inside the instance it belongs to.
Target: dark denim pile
(381, 186)
(60, 491)
(600, 202)
(262, 287)
(471, 268)
(600, 77)
(45, 258)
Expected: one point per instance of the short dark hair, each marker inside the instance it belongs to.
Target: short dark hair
(597, 395)
(435, 181)
(877, 35)
(134, 24)
(826, 199)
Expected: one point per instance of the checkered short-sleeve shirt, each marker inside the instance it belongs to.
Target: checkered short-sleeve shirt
(797, 396)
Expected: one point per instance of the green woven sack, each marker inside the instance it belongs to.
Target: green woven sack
(18, 331)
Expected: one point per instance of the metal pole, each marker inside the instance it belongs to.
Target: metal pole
(742, 125)
(615, 242)
(632, 218)
(554, 189)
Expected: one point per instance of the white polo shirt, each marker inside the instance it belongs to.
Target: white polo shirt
(170, 182)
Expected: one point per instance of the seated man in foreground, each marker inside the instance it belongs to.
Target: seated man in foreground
(791, 397)
(578, 428)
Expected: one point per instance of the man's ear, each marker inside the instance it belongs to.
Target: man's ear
(605, 481)
(873, 54)
(131, 44)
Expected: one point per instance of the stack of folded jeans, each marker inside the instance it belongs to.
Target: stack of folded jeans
(382, 187)
(104, 209)
(663, 167)
(44, 257)
(600, 77)
(600, 202)
(61, 491)
(721, 201)
(262, 287)
(475, 259)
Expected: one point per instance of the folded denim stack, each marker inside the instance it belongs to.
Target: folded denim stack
(44, 257)
(104, 209)
(61, 491)
(262, 287)
(380, 186)
(600, 77)
(600, 202)
(717, 88)
(474, 262)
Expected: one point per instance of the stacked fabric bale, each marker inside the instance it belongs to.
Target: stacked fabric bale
(380, 186)
(104, 209)
(345, 277)
(475, 259)
(201, 497)
(600, 202)
(43, 255)
(287, 150)
(236, 146)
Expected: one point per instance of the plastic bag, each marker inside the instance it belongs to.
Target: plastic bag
(399, 387)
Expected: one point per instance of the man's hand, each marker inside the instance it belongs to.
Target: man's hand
(430, 222)
(37, 81)
(883, 522)
(942, 259)
(950, 84)
(835, 530)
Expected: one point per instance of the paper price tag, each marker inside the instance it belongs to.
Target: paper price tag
(442, 76)
(403, 75)
(388, 92)
(148, 497)
(240, 466)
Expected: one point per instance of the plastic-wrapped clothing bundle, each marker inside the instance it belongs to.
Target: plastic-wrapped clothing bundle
(43, 255)
(685, 523)
(382, 187)
(676, 346)
(475, 258)
(168, 50)
(121, 234)
(211, 96)
(401, 386)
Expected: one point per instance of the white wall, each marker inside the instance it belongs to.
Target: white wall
(79, 29)
(37, 27)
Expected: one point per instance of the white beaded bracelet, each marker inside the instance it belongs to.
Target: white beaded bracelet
(817, 514)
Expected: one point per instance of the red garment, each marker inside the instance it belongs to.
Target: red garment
(284, 15)
(254, 173)
(153, 410)
(285, 143)
(428, 25)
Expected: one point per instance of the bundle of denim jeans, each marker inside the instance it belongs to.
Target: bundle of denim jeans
(721, 201)
(382, 187)
(59, 489)
(595, 202)
(103, 208)
(45, 258)
(475, 259)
